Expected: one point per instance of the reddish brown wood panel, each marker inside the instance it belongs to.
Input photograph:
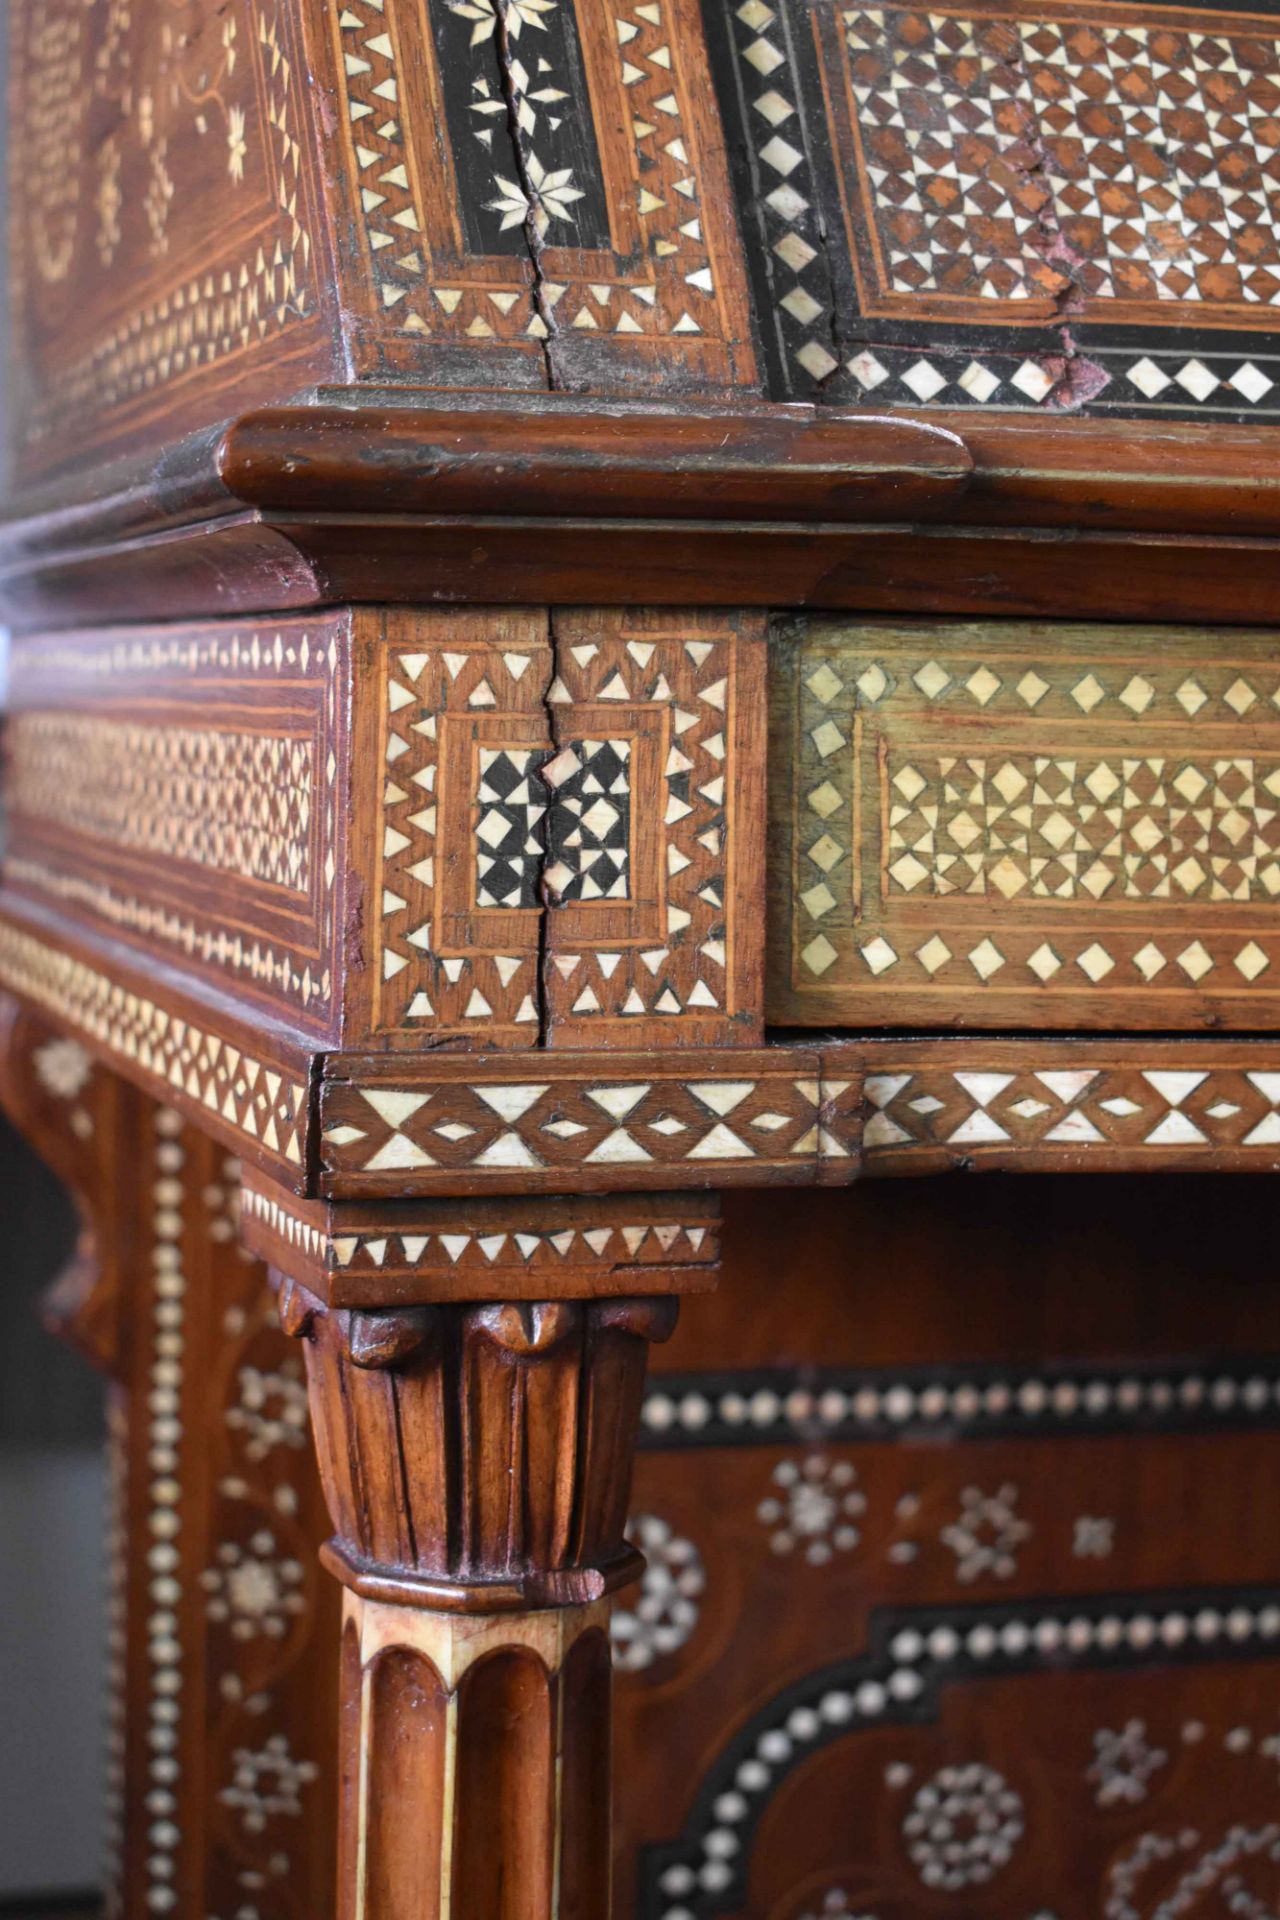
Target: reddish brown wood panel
(963, 1590)
(185, 791)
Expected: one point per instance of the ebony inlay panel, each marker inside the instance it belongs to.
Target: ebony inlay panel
(537, 187)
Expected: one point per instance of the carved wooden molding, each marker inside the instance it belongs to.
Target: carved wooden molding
(405, 1252)
(81, 1119)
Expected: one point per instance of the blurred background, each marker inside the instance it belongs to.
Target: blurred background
(52, 1518)
(52, 1585)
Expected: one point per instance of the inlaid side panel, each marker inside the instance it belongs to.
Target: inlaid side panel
(222, 1626)
(930, 1625)
(1006, 825)
(1010, 206)
(167, 248)
(246, 1088)
(185, 790)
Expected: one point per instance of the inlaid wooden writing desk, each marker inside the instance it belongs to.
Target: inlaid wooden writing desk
(508, 754)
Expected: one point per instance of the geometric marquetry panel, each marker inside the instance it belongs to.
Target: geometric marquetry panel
(456, 846)
(656, 847)
(537, 194)
(1067, 1105)
(787, 1115)
(1010, 206)
(567, 840)
(549, 1122)
(1006, 825)
(244, 1084)
(180, 788)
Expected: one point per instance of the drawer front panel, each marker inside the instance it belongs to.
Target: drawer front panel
(1017, 825)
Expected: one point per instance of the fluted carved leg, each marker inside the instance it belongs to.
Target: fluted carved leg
(495, 1729)
(476, 1454)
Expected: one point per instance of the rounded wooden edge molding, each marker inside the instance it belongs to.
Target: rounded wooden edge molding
(535, 1591)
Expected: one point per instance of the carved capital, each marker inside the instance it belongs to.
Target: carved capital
(478, 1455)
(476, 1371)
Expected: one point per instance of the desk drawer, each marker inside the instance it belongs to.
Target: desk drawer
(1008, 825)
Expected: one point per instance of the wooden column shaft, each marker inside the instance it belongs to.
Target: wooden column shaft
(493, 1733)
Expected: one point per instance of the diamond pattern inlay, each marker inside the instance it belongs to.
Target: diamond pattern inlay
(730, 1113)
(1057, 826)
(509, 847)
(990, 813)
(1086, 1096)
(1006, 208)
